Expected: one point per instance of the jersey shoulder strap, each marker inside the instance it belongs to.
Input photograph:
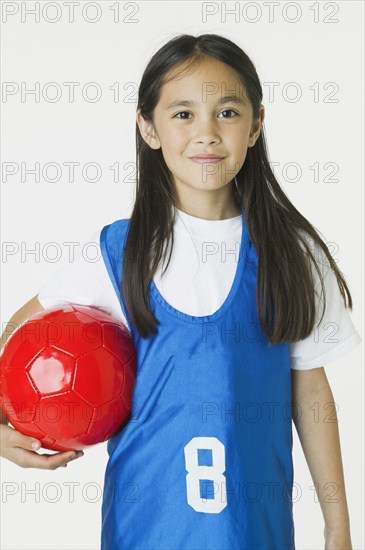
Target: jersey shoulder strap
(112, 243)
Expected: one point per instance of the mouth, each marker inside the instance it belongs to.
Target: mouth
(206, 159)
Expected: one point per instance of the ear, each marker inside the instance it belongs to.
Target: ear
(148, 131)
(256, 127)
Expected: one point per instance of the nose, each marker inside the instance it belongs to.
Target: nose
(206, 131)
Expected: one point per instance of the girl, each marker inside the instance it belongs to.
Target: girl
(226, 333)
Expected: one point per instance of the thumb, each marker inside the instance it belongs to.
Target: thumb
(15, 438)
(32, 444)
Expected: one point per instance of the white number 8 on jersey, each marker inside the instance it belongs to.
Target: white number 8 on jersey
(213, 473)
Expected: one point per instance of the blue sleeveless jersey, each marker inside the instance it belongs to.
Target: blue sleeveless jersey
(205, 461)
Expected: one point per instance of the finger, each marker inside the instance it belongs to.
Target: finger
(25, 442)
(48, 461)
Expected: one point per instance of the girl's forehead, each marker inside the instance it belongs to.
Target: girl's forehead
(210, 79)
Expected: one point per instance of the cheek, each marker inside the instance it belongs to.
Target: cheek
(176, 142)
(178, 133)
(238, 141)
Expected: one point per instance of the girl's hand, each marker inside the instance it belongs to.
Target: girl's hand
(337, 544)
(17, 448)
(338, 541)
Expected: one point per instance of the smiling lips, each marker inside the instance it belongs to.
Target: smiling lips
(206, 158)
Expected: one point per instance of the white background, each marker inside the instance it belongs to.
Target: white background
(36, 213)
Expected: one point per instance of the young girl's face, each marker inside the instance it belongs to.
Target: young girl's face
(207, 124)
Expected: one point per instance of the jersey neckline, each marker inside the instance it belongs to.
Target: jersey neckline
(230, 296)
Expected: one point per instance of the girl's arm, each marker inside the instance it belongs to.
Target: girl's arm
(316, 423)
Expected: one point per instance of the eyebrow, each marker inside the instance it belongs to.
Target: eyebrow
(224, 99)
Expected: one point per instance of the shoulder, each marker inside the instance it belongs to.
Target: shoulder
(318, 256)
(116, 226)
(115, 230)
(334, 335)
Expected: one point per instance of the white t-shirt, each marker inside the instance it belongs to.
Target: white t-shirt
(199, 277)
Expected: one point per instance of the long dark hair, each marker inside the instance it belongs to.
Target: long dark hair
(276, 228)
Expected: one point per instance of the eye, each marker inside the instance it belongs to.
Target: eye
(229, 111)
(181, 112)
(187, 113)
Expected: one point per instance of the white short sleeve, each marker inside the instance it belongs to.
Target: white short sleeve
(333, 338)
(84, 281)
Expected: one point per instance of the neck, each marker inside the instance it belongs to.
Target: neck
(206, 204)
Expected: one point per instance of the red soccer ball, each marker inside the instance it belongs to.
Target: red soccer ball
(67, 375)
